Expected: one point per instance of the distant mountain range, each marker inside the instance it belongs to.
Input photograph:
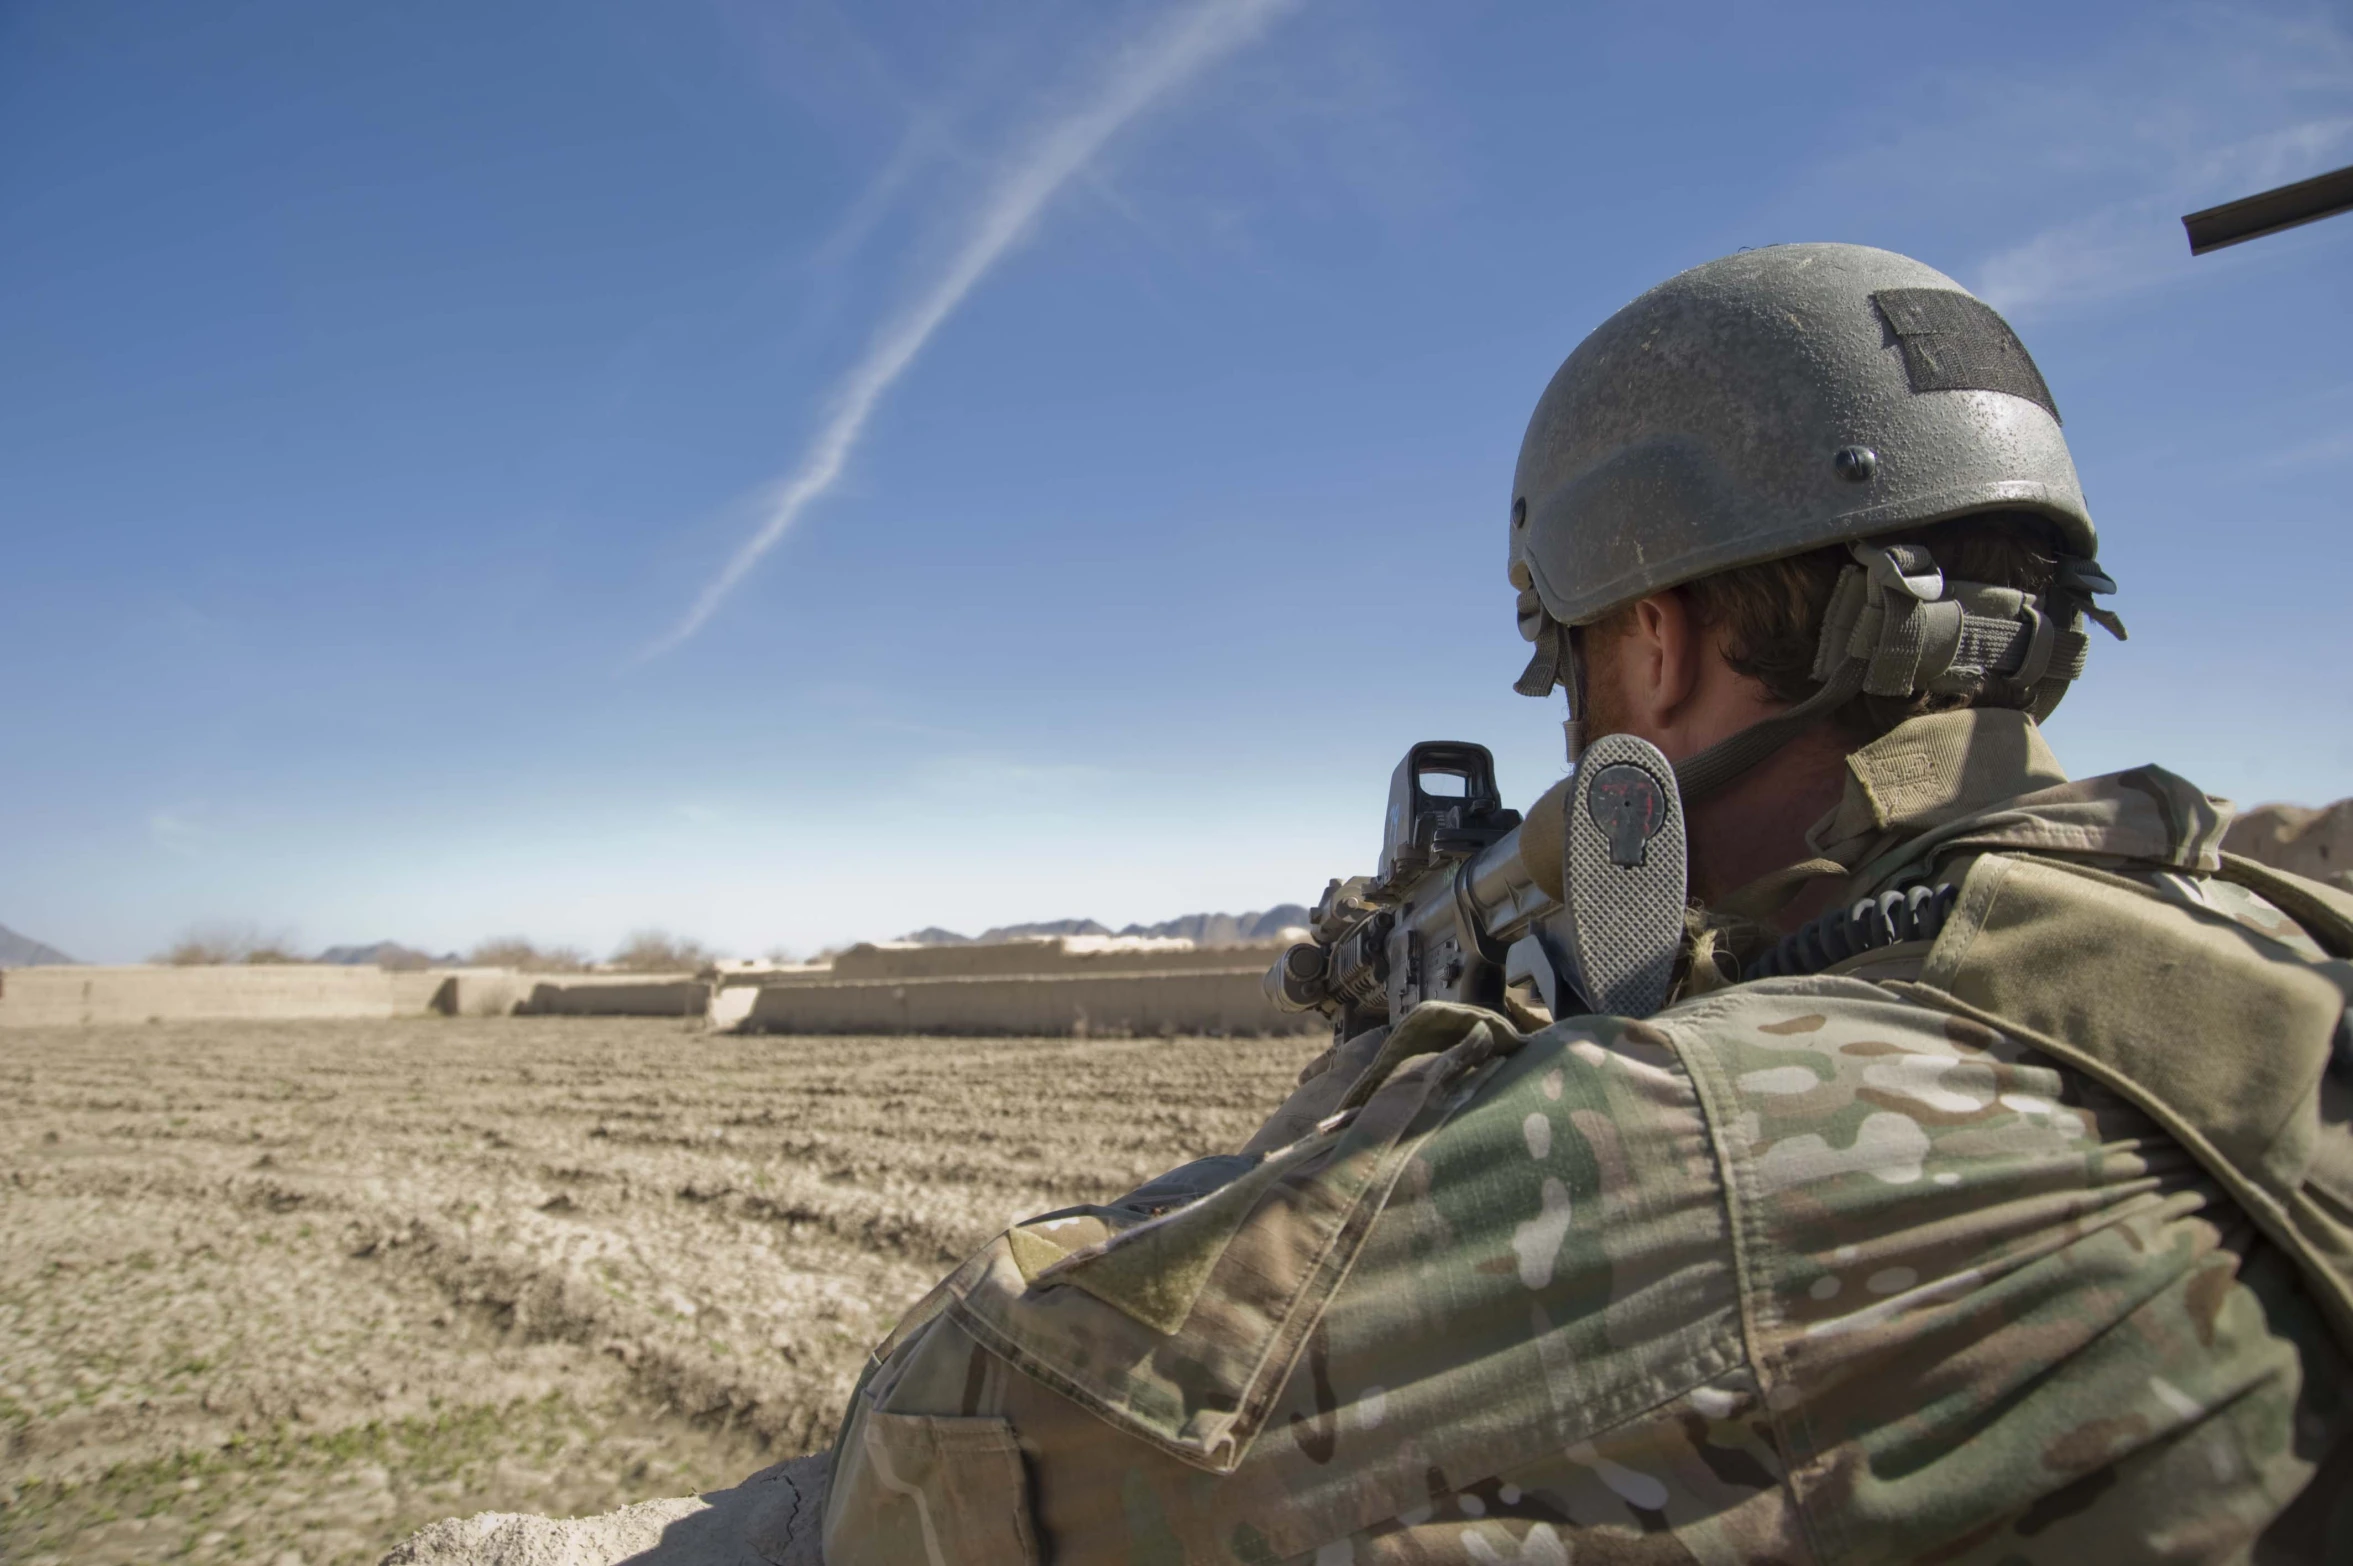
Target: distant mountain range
(382, 954)
(22, 951)
(1206, 929)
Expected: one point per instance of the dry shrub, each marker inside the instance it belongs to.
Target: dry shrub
(216, 945)
(658, 951)
(513, 951)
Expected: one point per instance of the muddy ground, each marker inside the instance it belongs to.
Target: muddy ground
(285, 1292)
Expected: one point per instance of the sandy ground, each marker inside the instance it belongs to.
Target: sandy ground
(286, 1292)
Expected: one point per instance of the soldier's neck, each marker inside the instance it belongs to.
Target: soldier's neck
(1666, 678)
(1758, 822)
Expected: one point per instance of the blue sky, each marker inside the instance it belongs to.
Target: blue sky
(384, 390)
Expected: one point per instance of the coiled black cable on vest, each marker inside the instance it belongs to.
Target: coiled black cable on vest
(1914, 913)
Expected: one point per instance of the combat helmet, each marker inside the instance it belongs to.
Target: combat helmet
(1777, 401)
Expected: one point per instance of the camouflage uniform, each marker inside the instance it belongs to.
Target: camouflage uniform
(1799, 1270)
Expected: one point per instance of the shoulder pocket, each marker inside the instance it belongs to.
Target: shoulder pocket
(1181, 1329)
(940, 1492)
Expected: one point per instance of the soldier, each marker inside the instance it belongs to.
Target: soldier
(2004, 1220)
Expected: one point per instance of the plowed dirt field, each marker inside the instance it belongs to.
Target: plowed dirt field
(285, 1292)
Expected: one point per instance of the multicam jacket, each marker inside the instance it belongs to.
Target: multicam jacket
(1801, 1270)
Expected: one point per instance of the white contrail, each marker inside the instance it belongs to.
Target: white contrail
(1148, 70)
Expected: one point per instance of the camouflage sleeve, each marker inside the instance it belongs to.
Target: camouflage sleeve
(1323, 1082)
(1493, 1249)
(1798, 1272)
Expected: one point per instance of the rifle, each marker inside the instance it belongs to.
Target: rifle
(1581, 900)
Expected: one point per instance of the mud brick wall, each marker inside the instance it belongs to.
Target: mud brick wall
(1230, 1002)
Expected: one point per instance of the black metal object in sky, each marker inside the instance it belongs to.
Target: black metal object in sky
(2267, 212)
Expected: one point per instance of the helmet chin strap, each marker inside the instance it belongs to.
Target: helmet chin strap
(1896, 628)
(1573, 726)
(1696, 777)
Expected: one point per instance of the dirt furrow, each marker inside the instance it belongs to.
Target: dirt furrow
(306, 1286)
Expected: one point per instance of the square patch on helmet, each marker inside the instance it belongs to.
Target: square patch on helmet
(1956, 342)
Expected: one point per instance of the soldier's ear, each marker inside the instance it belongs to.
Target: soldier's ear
(1658, 656)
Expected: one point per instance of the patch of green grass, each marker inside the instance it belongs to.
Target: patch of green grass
(191, 1488)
